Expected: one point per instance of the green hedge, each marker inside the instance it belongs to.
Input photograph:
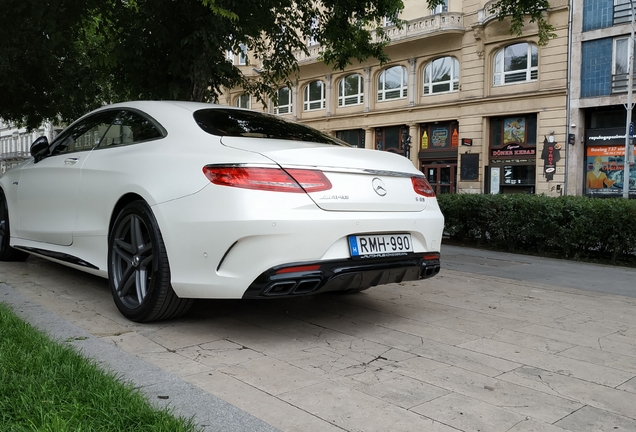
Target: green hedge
(566, 227)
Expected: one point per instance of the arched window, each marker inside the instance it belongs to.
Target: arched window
(441, 76)
(284, 105)
(314, 96)
(350, 90)
(244, 101)
(392, 83)
(516, 63)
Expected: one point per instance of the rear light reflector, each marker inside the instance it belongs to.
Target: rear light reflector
(431, 257)
(268, 179)
(298, 269)
(421, 186)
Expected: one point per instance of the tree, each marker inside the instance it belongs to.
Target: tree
(48, 60)
(69, 56)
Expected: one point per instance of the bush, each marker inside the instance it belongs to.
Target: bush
(569, 227)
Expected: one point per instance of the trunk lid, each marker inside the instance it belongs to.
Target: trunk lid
(362, 179)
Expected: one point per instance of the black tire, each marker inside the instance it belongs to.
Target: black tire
(138, 268)
(7, 253)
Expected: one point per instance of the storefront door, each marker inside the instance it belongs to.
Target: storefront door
(442, 177)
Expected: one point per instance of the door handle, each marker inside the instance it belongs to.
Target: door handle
(71, 161)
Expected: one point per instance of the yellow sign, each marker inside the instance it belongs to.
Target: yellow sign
(424, 141)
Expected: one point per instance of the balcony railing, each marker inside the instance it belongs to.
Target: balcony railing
(420, 27)
(619, 83)
(21, 155)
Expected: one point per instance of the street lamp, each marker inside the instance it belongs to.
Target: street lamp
(629, 127)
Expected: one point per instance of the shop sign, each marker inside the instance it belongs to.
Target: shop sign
(612, 136)
(551, 154)
(454, 139)
(513, 150)
(439, 138)
(605, 171)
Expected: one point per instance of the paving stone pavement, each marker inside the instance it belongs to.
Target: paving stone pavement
(522, 348)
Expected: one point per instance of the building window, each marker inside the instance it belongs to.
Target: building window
(284, 101)
(619, 65)
(314, 96)
(350, 90)
(229, 56)
(244, 101)
(392, 83)
(353, 137)
(622, 12)
(516, 63)
(389, 21)
(440, 8)
(313, 29)
(242, 56)
(441, 76)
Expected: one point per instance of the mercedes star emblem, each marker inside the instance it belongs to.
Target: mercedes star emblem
(378, 186)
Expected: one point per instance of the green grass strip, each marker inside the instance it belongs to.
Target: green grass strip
(48, 386)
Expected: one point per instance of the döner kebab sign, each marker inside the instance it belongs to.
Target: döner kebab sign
(512, 150)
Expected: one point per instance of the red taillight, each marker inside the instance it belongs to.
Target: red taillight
(421, 186)
(298, 269)
(269, 179)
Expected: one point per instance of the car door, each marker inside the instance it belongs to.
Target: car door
(47, 196)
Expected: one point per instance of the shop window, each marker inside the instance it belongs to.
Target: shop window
(516, 63)
(510, 131)
(284, 101)
(439, 136)
(354, 137)
(350, 90)
(441, 76)
(393, 83)
(314, 96)
(391, 138)
(513, 142)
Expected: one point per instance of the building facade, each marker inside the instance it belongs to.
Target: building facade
(476, 109)
(15, 143)
(598, 113)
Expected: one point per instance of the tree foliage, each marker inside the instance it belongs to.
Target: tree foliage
(68, 56)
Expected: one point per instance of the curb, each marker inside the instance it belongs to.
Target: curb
(162, 389)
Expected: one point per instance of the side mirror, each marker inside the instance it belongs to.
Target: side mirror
(40, 148)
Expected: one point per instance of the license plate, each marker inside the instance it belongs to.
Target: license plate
(380, 245)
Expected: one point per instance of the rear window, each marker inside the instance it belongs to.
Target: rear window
(252, 124)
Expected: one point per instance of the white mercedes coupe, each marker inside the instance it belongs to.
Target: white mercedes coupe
(174, 201)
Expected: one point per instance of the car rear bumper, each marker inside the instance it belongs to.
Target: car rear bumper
(342, 275)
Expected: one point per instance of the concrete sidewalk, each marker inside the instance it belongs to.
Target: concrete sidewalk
(495, 342)
(162, 388)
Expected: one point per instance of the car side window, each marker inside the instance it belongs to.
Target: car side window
(84, 135)
(130, 127)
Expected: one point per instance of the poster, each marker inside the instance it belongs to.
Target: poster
(514, 130)
(494, 180)
(605, 171)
